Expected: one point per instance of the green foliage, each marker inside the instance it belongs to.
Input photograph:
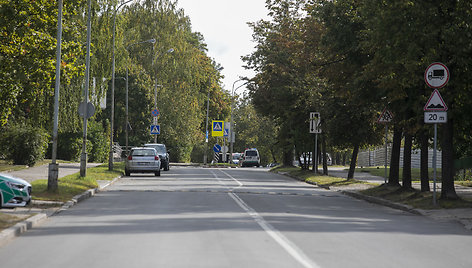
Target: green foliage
(256, 131)
(23, 144)
(69, 146)
(99, 142)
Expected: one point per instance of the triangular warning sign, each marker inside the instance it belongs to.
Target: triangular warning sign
(385, 117)
(435, 103)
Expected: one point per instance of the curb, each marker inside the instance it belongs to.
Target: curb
(380, 201)
(36, 220)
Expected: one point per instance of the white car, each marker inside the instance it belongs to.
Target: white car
(14, 192)
(251, 158)
(143, 160)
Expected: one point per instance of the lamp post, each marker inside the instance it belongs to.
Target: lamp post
(170, 50)
(152, 41)
(205, 157)
(53, 170)
(231, 132)
(110, 156)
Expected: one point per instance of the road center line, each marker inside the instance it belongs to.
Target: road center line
(290, 247)
(231, 177)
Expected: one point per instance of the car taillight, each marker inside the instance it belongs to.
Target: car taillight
(130, 157)
(156, 157)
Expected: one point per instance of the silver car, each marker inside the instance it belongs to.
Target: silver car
(143, 160)
(14, 192)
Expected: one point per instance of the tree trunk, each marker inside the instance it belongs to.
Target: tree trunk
(424, 161)
(288, 157)
(352, 166)
(447, 173)
(325, 162)
(406, 182)
(393, 178)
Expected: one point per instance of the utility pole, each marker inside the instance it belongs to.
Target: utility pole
(53, 170)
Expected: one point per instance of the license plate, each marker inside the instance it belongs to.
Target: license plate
(143, 164)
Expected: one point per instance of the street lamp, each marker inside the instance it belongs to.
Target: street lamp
(231, 132)
(205, 157)
(171, 50)
(110, 156)
(152, 41)
(53, 170)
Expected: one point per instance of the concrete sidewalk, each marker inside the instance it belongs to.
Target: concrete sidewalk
(462, 215)
(41, 172)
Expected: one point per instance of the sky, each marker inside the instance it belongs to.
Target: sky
(223, 24)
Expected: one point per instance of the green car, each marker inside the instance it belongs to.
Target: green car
(14, 192)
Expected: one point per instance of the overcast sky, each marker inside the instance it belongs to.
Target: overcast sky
(223, 24)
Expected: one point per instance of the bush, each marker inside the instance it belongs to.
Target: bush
(23, 144)
(99, 142)
(69, 146)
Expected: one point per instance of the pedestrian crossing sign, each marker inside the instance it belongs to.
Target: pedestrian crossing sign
(217, 128)
(155, 129)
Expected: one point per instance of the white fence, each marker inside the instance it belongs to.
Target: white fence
(377, 158)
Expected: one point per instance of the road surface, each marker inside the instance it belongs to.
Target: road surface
(245, 217)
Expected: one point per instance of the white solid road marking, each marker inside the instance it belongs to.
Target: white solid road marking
(286, 244)
(291, 248)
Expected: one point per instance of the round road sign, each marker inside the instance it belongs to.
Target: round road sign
(155, 112)
(217, 148)
(436, 75)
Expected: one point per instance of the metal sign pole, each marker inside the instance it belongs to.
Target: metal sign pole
(434, 163)
(315, 158)
(386, 153)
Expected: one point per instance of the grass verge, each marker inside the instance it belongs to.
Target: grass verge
(320, 180)
(7, 220)
(68, 187)
(411, 197)
(414, 198)
(72, 185)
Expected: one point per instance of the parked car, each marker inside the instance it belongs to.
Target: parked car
(251, 158)
(162, 152)
(143, 160)
(14, 192)
(235, 158)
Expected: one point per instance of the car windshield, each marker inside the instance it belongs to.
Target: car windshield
(160, 148)
(251, 153)
(142, 152)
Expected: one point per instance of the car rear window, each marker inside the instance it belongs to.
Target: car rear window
(159, 148)
(142, 152)
(251, 153)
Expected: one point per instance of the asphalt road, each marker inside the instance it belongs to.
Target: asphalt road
(247, 217)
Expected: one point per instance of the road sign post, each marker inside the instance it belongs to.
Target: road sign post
(436, 76)
(385, 118)
(315, 128)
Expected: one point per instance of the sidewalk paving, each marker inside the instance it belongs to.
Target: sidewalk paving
(461, 215)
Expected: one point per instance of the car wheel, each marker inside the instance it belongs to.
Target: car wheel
(1, 200)
(127, 173)
(166, 168)
(158, 173)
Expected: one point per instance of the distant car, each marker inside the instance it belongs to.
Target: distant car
(143, 160)
(235, 158)
(251, 158)
(14, 192)
(271, 165)
(162, 152)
